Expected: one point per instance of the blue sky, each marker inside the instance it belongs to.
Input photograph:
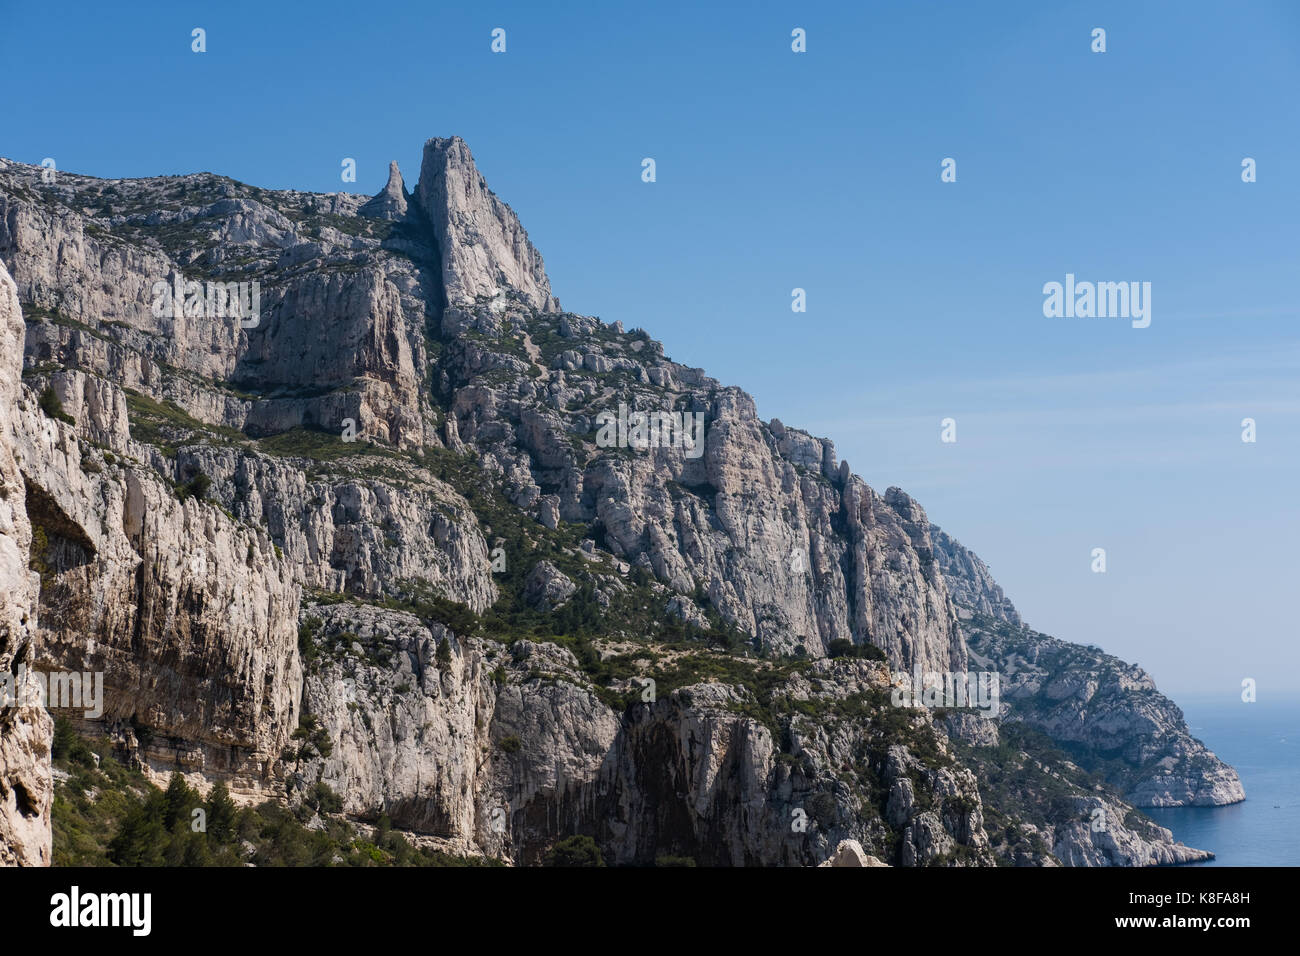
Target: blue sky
(821, 171)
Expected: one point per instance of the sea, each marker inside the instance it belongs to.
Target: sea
(1262, 741)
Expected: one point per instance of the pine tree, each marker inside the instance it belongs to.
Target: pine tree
(221, 814)
(141, 838)
(178, 801)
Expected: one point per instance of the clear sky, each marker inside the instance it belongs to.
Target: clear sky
(821, 170)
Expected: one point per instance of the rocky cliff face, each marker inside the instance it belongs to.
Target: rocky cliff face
(499, 750)
(25, 730)
(1108, 714)
(392, 527)
(970, 583)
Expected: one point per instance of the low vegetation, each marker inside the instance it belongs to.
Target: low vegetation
(106, 814)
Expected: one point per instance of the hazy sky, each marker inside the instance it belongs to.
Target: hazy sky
(821, 170)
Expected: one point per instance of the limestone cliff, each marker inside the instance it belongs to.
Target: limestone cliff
(485, 251)
(1107, 713)
(371, 531)
(25, 728)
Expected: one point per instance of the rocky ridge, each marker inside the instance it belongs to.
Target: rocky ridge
(1106, 713)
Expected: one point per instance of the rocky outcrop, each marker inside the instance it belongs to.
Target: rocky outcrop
(391, 203)
(1062, 816)
(26, 787)
(850, 854)
(970, 584)
(1107, 712)
(99, 297)
(1107, 835)
(401, 731)
(188, 614)
(546, 587)
(371, 526)
(1099, 706)
(486, 254)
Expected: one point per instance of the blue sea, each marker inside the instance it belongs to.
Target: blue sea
(1262, 741)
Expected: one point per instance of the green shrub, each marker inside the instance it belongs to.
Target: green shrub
(68, 746)
(307, 637)
(843, 647)
(52, 407)
(197, 487)
(574, 851)
(324, 799)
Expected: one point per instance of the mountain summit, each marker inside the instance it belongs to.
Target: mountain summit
(391, 202)
(485, 251)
